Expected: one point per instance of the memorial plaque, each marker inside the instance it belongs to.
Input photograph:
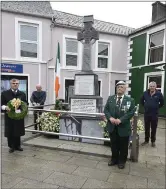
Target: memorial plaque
(83, 105)
(84, 85)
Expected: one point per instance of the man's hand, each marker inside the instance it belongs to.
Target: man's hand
(117, 121)
(7, 108)
(112, 120)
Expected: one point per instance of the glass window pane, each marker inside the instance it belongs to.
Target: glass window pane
(102, 62)
(71, 60)
(103, 49)
(71, 46)
(157, 39)
(156, 55)
(28, 33)
(28, 50)
(156, 79)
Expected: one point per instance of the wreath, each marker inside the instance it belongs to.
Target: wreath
(16, 105)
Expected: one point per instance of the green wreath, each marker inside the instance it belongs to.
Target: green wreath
(17, 116)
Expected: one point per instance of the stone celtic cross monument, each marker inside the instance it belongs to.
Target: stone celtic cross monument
(86, 90)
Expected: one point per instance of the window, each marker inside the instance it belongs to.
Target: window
(103, 55)
(156, 47)
(28, 40)
(157, 79)
(71, 52)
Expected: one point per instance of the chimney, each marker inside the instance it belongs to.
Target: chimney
(158, 11)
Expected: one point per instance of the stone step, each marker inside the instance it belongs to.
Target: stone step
(71, 146)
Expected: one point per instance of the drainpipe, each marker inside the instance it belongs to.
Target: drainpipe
(47, 65)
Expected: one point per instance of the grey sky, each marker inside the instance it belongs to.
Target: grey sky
(132, 14)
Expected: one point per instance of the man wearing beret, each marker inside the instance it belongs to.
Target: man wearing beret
(118, 110)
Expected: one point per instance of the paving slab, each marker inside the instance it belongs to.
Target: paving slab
(92, 173)
(28, 183)
(82, 162)
(66, 180)
(35, 173)
(128, 181)
(93, 183)
(153, 183)
(61, 167)
(9, 181)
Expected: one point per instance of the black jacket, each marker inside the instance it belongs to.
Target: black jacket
(152, 103)
(38, 97)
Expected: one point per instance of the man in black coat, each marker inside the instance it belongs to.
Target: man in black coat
(14, 129)
(38, 99)
(152, 100)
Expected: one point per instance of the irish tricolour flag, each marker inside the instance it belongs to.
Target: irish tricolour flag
(57, 71)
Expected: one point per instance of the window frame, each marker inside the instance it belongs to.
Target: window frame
(71, 53)
(149, 32)
(146, 79)
(156, 47)
(109, 57)
(79, 53)
(18, 40)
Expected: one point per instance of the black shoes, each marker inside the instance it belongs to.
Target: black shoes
(144, 143)
(121, 166)
(11, 150)
(19, 149)
(112, 163)
(153, 144)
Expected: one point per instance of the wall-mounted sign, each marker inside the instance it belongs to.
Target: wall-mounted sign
(12, 68)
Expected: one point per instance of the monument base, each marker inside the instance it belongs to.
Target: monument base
(84, 125)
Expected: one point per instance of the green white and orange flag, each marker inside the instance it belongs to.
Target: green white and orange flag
(57, 72)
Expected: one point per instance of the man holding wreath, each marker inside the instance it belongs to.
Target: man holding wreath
(13, 103)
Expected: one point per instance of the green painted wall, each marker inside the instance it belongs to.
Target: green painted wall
(137, 85)
(139, 50)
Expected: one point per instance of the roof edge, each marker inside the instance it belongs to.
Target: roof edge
(148, 26)
(79, 28)
(25, 13)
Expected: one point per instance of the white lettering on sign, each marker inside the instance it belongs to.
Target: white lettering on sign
(84, 85)
(83, 105)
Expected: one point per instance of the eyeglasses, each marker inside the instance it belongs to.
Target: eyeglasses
(15, 83)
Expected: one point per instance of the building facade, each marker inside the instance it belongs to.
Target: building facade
(30, 35)
(147, 56)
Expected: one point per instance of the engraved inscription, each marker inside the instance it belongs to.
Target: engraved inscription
(84, 85)
(83, 105)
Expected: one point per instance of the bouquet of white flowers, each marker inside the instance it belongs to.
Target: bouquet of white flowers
(49, 122)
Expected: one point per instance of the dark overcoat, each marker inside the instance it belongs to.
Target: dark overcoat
(13, 127)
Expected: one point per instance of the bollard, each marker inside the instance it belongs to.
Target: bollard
(135, 139)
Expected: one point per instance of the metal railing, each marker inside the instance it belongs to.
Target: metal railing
(135, 146)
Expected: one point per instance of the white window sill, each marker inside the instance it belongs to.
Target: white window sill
(70, 68)
(101, 69)
(156, 63)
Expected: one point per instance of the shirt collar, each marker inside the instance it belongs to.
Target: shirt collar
(121, 96)
(14, 90)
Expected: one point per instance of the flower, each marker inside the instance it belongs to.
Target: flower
(16, 103)
(140, 126)
(49, 122)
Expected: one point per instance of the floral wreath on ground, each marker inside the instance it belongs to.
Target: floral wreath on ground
(50, 121)
(18, 109)
(140, 126)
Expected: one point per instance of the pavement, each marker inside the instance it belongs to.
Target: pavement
(65, 164)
